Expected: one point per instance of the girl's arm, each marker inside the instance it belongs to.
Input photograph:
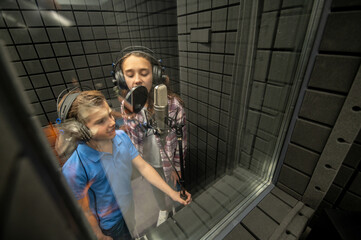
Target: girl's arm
(153, 177)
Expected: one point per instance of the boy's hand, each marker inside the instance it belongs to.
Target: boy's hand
(103, 237)
(176, 197)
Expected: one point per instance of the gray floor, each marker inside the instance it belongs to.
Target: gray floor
(208, 207)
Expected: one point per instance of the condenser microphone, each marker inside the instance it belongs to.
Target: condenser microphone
(161, 108)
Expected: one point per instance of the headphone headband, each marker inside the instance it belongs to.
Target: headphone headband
(125, 52)
(64, 108)
(158, 70)
(137, 49)
(66, 105)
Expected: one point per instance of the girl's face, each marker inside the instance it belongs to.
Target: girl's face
(137, 71)
(100, 122)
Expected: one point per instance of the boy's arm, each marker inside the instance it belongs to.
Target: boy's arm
(84, 203)
(153, 177)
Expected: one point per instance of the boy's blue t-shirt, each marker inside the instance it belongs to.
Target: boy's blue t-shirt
(108, 177)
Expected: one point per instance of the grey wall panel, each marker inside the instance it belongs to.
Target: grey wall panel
(257, 94)
(27, 52)
(5, 36)
(275, 97)
(204, 19)
(217, 63)
(343, 176)
(218, 42)
(333, 194)
(310, 135)
(293, 179)
(219, 3)
(267, 30)
(39, 35)
(204, 5)
(192, 5)
(291, 201)
(259, 224)
(219, 19)
(274, 207)
(35, 67)
(60, 49)
(261, 65)
(271, 5)
(270, 123)
(13, 53)
(265, 142)
(252, 121)
(231, 42)
(340, 3)
(20, 36)
(301, 159)
(239, 232)
(191, 22)
(292, 3)
(353, 158)
(287, 33)
(340, 34)
(39, 80)
(351, 202)
(321, 107)
(282, 67)
(334, 73)
(232, 19)
(355, 186)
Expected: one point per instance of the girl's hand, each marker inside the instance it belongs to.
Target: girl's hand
(174, 177)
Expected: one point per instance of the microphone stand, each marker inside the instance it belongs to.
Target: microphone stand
(178, 127)
(179, 132)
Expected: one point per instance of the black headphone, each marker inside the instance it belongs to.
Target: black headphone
(158, 70)
(77, 127)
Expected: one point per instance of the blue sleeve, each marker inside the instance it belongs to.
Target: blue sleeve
(133, 152)
(75, 177)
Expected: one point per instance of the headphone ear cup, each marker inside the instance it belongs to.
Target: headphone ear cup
(75, 131)
(85, 132)
(157, 75)
(119, 77)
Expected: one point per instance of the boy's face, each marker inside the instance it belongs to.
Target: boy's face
(137, 71)
(100, 122)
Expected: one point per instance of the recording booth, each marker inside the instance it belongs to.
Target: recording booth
(269, 97)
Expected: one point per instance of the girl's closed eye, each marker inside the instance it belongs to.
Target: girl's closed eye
(129, 73)
(144, 73)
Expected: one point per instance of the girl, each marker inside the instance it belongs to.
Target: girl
(99, 170)
(139, 67)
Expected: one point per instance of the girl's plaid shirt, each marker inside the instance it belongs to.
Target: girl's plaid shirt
(137, 134)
